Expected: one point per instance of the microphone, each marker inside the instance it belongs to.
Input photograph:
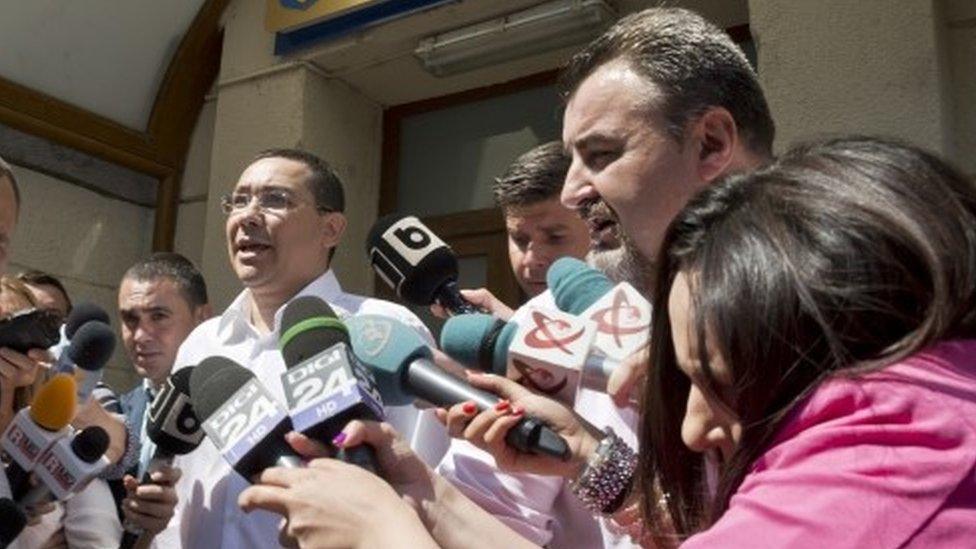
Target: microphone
(12, 521)
(68, 465)
(171, 424)
(34, 429)
(418, 265)
(241, 417)
(549, 349)
(91, 347)
(621, 314)
(325, 386)
(404, 369)
(80, 314)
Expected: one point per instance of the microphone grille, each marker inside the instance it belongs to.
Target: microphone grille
(90, 444)
(92, 346)
(82, 313)
(213, 381)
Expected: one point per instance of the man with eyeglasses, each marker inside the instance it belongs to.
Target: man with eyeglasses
(284, 220)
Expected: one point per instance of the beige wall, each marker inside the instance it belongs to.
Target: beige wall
(960, 42)
(904, 69)
(86, 240)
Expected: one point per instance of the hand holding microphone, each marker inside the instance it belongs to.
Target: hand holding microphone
(401, 362)
(489, 429)
(333, 504)
(173, 426)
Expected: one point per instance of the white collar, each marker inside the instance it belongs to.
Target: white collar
(326, 286)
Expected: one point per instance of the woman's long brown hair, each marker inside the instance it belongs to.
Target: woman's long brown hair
(844, 255)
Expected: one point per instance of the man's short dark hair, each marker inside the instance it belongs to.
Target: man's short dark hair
(693, 63)
(323, 181)
(7, 173)
(176, 268)
(34, 277)
(535, 176)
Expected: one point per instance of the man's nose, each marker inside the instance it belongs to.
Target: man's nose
(576, 189)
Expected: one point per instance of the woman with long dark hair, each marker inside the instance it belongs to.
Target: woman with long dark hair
(813, 346)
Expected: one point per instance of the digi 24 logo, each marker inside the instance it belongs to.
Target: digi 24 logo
(245, 414)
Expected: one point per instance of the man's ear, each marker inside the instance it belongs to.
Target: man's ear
(716, 137)
(202, 312)
(333, 226)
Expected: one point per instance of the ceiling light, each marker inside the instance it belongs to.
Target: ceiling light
(542, 28)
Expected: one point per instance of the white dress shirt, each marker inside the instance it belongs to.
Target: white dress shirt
(207, 515)
(541, 508)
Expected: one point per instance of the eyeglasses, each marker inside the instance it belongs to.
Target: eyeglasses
(271, 201)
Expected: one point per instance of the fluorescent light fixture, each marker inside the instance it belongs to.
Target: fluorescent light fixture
(542, 28)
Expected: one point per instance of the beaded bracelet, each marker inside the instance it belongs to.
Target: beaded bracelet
(603, 484)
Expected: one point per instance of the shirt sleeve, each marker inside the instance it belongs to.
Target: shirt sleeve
(524, 502)
(860, 468)
(90, 520)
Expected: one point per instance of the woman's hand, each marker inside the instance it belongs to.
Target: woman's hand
(332, 504)
(487, 429)
(19, 369)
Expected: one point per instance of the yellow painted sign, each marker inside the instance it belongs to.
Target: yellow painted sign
(285, 15)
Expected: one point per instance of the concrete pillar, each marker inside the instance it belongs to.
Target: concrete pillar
(865, 66)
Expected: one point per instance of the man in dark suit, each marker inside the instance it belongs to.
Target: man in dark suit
(161, 300)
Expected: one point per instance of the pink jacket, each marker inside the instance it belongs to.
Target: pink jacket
(887, 459)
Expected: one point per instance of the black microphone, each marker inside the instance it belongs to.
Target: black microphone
(241, 417)
(91, 348)
(81, 314)
(403, 366)
(12, 521)
(418, 265)
(325, 386)
(172, 424)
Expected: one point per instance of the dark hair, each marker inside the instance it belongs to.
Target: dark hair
(178, 269)
(535, 176)
(7, 173)
(843, 256)
(323, 181)
(40, 278)
(693, 63)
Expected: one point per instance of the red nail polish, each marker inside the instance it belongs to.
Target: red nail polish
(503, 405)
(469, 408)
(338, 440)
(518, 410)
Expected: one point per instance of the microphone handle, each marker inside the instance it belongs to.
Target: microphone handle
(530, 435)
(18, 479)
(133, 531)
(363, 455)
(449, 297)
(289, 461)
